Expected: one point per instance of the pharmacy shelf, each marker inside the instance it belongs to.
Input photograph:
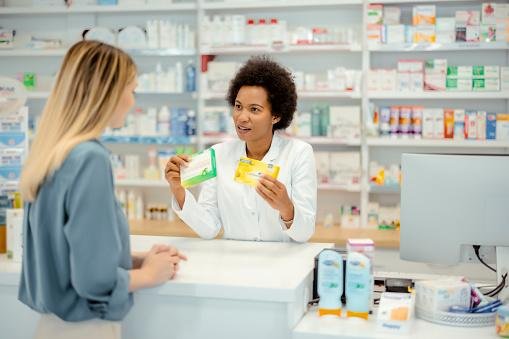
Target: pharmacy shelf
(37, 95)
(28, 10)
(328, 95)
(210, 140)
(45, 95)
(375, 189)
(141, 183)
(239, 50)
(193, 95)
(149, 140)
(439, 95)
(27, 52)
(457, 46)
(300, 95)
(18, 52)
(387, 2)
(334, 187)
(236, 5)
(402, 142)
(330, 141)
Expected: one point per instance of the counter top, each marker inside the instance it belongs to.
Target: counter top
(242, 270)
(314, 327)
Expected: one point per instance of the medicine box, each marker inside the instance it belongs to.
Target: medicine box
(502, 126)
(424, 15)
(491, 126)
(438, 295)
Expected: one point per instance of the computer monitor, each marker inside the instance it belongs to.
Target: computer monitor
(451, 202)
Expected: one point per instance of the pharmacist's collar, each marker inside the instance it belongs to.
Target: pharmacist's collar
(273, 152)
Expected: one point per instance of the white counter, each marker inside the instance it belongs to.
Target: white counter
(314, 327)
(226, 289)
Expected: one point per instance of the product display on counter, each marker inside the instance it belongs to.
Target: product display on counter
(330, 282)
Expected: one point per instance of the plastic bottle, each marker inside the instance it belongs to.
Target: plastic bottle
(191, 123)
(160, 80)
(122, 199)
(179, 76)
(190, 77)
(139, 208)
(359, 285)
(250, 31)
(131, 205)
(330, 282)
(262, 32)
(152, 172)
(163, 121)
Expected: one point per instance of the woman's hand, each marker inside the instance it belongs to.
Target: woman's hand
(161, 264)
(172, 174)
(275, 194)
(139, 257)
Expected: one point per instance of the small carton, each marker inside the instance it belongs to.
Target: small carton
(486, 85)
(503, 126)
(200, 168)
(471, 125)
(424, 15)
(458, 85)
(488, 13)
(375, 14)
(428, 123)
(491, 126)
(459, 124)
(249, 171)
(448, 123)
(392, 15)
(481, 125)
(424, 34)
(468, 18)
(473, 33)
(438, 125)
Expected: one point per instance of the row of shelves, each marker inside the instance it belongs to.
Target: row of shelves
(373, 142)
(163, 184)
(334, 234)
(224, 5)
(247, 50)
(502, 95)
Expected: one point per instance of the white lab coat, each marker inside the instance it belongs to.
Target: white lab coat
(240, 210)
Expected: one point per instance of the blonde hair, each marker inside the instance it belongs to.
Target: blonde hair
(82, 102)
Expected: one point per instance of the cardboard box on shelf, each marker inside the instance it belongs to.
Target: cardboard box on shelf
(395, 34)
(468, 18)
(375, 14)
(458, 84)
(473, 33)
(391, 15)
(486, 85)
(502, 126)
(424, 34)
(424, 15)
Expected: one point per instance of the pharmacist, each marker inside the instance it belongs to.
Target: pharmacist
(263, 100)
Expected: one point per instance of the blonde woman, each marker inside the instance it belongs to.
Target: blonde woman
(78, 271)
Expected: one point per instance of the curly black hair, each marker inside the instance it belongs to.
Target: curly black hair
(277, 82)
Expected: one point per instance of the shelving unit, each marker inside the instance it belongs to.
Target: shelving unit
(31, 10)
(364, 54)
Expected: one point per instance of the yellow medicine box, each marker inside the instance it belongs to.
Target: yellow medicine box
(249, 171)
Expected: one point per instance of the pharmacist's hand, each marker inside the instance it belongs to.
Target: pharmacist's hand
(159, 267)
(172, 171)
(275, 194)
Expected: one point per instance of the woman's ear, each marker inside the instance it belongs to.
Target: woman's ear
(275, 119)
